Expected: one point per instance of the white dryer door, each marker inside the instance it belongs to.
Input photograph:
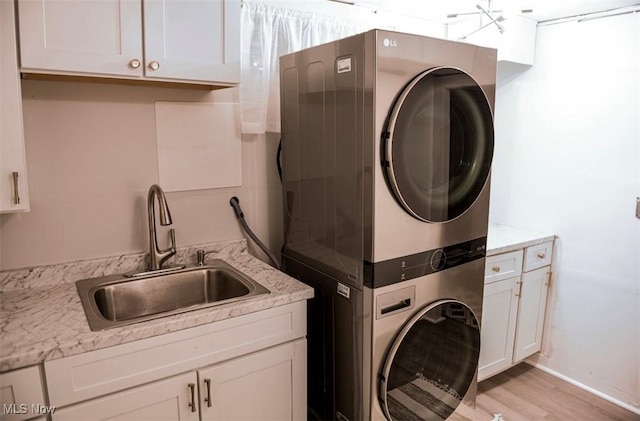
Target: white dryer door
(439, 144)
(431, 364)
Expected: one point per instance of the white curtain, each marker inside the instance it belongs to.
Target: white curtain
(267, 33)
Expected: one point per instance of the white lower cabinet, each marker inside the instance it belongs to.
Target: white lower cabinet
(21, 395)
(251, 367)
(261, 386)
(532, 305)
(513, 309)
(164, 400)
(499, 312)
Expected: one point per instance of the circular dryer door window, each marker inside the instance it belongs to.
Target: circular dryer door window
(439, 144)
(431, 364)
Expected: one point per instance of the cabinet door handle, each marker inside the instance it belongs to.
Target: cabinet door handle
(207, 399)
(519, 283)
(496, 269)
(192, 390)
(541, 255)
(134, 63)
(154, 65)
(16, 191)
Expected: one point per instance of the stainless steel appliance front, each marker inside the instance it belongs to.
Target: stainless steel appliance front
(387, 140)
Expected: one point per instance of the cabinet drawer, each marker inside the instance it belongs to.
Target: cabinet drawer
(538, 256)
(21, 394)
(503, 266)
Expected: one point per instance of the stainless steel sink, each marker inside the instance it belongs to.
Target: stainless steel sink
(117, 300)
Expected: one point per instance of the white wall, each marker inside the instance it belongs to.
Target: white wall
(91, 157)
(568, 161)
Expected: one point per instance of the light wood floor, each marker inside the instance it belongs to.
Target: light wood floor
(525, 393)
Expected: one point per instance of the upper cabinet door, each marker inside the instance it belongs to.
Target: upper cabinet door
(14, 194)
(98, 37)
(192, 40)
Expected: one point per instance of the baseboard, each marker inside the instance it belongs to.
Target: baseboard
(591, 390)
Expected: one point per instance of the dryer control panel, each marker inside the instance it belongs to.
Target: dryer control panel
(420, 264)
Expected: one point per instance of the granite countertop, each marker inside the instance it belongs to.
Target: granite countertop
(42, 318)
(503, 239)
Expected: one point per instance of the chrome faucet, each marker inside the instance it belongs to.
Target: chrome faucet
(156, 256)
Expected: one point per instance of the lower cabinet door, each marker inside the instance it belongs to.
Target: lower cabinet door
(266, 385)
(165, 400)
(533, 302)
(497, 331)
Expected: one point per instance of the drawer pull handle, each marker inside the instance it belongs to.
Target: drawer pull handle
(496, 269)
(16, 191)
(192, 403)
(541, 255)
(397, 306)
(207, 399)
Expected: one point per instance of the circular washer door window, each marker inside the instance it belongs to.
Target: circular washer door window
(431, 364)
(439, 144)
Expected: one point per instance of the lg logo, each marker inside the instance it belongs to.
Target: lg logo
(390, 42)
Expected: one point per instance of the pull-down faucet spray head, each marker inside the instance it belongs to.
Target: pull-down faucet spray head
(157, 256)
(165, 214)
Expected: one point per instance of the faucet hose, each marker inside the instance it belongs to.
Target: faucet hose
(235, 204)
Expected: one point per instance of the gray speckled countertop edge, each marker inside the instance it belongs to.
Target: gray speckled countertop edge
(33, 329)
(503, 239)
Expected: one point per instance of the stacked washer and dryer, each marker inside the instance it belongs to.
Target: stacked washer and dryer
(387, 141)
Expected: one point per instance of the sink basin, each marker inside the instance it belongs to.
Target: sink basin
(117, 300)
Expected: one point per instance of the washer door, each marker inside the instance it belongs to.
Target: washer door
(439, 144)
(431, 363)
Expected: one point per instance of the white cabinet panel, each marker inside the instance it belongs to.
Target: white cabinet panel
(245, 383)
(503, 266)
(14, 193)
(500, 310)
(194, 41)
(265, 385)
(165, 400)
(538, 256)
(20, 393)
(95, 37)
(533, 301)
(92, 374)
(207, 49)
(260, 386)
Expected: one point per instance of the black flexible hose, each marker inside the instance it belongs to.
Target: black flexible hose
(235, 204)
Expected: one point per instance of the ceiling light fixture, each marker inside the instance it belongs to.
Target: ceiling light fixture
(493, 20)
(496, 20)
(457, 15)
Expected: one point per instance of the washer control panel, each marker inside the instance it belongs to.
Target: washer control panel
(420, 264)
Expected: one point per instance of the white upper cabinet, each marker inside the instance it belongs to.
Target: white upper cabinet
(194, 41)
(14, 195)
(101, 37)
